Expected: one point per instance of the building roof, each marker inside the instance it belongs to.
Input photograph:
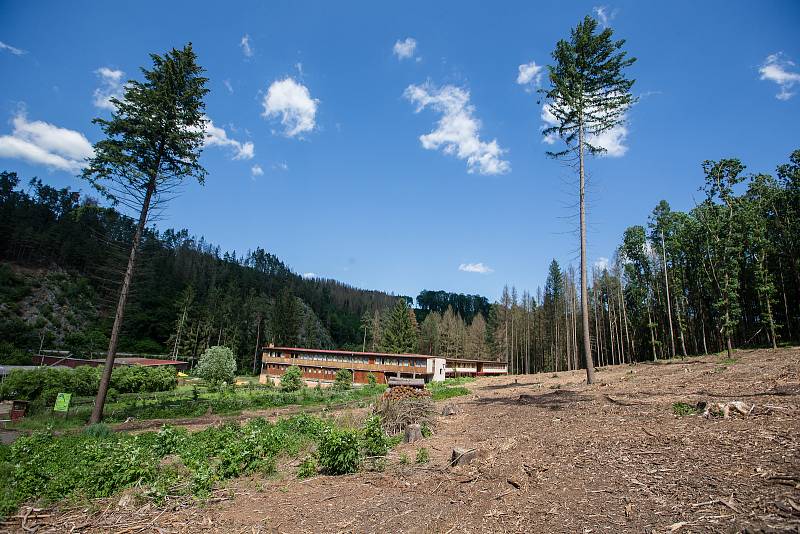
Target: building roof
(467, 360)
(350, 352)
(147, 362)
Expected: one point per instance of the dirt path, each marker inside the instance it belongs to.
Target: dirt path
(554, 456)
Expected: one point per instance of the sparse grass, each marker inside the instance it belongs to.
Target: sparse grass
(682, 409)
(422, 455)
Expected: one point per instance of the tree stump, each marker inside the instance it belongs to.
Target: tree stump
(461, 456)
(451, 409)
(413, 433)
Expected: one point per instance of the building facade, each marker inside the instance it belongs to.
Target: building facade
(319, 366)
(465, 367)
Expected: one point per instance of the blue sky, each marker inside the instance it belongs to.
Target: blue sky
(388, 146)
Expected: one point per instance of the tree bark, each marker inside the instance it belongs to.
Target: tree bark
(105, 379)
(666, 285)
(587, 343)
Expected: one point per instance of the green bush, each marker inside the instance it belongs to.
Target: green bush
(374, 441)
(217, 365)
(50, 468)
(681, 408)
(344, 380)
(371, 380)
(339, 451)
(292, 379)
(422, 456)
(44, 384)
(10, 355)
(307, 469)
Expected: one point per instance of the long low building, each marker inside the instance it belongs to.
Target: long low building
(465, 367)
(320, 365)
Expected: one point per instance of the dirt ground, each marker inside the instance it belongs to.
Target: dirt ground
(553, 456)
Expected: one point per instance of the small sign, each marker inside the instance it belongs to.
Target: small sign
(62, 402)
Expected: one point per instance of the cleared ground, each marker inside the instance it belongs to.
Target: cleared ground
(553, 456)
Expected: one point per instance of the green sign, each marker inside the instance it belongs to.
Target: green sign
(62, 402)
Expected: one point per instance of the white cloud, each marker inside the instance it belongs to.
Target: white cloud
(111, 86)
(405, 49)
(256, 170)
(13, 49)
(479, 268)
(601, 263)
(780, 69)
(530, 73)
(45, 144)
(228, 86)
(604, 16)
(293, 103)
(247, 50)
(308, 276)
(456, 132)
(613, 140)
(216, 136)
(281, 166)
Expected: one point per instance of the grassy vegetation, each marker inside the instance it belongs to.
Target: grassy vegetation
(98, 463)
(194, 401)
(449, 388)
(682, 408)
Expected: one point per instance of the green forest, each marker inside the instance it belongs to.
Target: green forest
(62, 258)
(681, 283)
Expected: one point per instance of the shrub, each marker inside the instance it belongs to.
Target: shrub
(217, 365)
(344, 380)
(681, 408)
(307, 469)
(422, 456)
(10, 355)
(374, 441)
(371, 380)
(338, 451)
(43, 385)
(292, 379)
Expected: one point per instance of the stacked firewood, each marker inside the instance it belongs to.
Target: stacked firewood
(405, 392)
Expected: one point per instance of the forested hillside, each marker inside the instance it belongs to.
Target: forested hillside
(62, 258)
(681, 283)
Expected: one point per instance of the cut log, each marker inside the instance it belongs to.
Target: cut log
(461, 456)
(413, 433)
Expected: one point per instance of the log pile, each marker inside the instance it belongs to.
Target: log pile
(398, 393)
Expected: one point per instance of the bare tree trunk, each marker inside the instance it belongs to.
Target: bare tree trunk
(666, 285)
(680, 324)
(785, 304)
(651, 326)
(625, 319)
(587, 342)
(105, 379)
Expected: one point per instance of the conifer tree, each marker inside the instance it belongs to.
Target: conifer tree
(400, 333)
(589, 95)
(153, 143)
